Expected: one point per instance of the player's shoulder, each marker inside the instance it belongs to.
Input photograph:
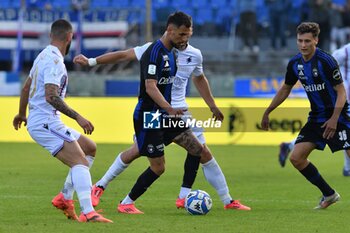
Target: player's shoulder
(191, 53)
(51, 56)
(326, 57)
(342, 50)
(295, 58)
(154, 49)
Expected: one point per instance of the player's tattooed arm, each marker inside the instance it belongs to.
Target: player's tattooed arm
(188, 141)
(52, 97)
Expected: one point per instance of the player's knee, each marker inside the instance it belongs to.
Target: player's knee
(205, 155)
(129, 156)
(91, 148)
(159, 169)
(84, 162)
(295, 161)
(81, 160)
(196, 150)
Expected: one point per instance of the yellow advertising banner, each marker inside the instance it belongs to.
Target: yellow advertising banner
(113, 119)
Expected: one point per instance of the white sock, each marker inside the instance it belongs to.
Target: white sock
(68, 189)
(216, 178)
(183, 192)
(90, 160)
(346, 161)
(291, 144)
(82, 184)
(127, 200)
(114, 170)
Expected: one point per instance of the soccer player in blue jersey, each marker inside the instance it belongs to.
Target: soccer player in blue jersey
(328, 121)
(158, 70)
(343, 59)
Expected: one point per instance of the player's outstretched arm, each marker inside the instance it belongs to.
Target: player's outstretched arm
(279, 98)
(51, 95)
(21, 117)
(107, 58)
(203, 87)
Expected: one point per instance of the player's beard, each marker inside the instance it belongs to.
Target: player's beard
(68, 47)
(173, 44)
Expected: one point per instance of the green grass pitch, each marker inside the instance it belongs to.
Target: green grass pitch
(281, 199)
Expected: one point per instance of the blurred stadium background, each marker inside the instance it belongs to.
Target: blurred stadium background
(108, 25)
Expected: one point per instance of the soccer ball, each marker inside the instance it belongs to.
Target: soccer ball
(198, 202)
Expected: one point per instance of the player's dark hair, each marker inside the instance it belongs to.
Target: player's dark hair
(179, 18)
(309, 27)
(60, 28)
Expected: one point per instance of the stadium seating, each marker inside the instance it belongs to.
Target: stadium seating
(200, 3)
(100, 4)
(119, 3)
(203, 15)
(180, 3)
(138, 3)
(219, 4)
(160, 4)
(66, 4)
(5, 4)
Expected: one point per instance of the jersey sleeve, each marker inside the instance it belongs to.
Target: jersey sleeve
(198, 70)
(53, 72)
(150, 64)
(332, 71)
(31, 72)
(139, 50)
(290, 77)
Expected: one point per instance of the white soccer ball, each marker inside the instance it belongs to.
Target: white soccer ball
(198, 202)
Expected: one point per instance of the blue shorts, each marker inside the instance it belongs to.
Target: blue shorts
(151, 142)
(312, 132)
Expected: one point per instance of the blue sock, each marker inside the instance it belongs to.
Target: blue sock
(143, 182)
(311, 174)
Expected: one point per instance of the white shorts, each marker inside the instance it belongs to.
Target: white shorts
(51, 135)
(198, 132)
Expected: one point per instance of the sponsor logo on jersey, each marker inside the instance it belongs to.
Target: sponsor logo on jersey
(166, 64)
(302, 75)
(336, 74)
(189, 59)
(152, 69)
(165, 58)
(314, 87)
(166, 80)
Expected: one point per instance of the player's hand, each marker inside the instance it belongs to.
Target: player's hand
(85, 124)
(217, 114)
(176, 112)
(330, 128)
(265, 122)
(81, 60)
(18, 120)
